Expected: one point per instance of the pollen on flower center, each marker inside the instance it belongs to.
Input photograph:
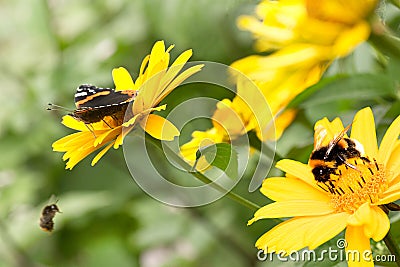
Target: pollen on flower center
(358, 182)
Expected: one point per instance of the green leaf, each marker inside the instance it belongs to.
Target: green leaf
(221, 155)
(356, 87)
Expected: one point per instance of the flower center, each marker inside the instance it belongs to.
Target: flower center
(359, 181)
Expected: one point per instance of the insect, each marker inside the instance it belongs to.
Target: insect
(46, 219)
(94, 103)
(325, 160)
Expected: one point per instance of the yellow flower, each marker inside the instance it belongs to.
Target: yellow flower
(304, 37)
(230, 120)
(331, 24)
(199, 140)
(79, 145)
(155, 81)
(247, 111)
(351, 203)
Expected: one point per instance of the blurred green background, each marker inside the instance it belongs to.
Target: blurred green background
(50, 47)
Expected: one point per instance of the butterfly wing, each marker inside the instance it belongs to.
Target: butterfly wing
(90, 96)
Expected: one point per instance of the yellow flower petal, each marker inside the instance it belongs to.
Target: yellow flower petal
(70, 122)
(349, 39)
(122, 79)
(379, 226)
(294, 55)
(74, 141)
(107, 136)
(227, 120)
(175, 68)
(142, 76)
(182, 58)
(390, 195)
(389, 140)
(358, 248)
(119, 141)
(297, 169)
(200, 139)
(393, 163)
(361, 216)
(327, 228)
(77, 155)
(282, 121)
(159, 59)
(101, 154)
(395, 179)
(79, 145)
(374, 220)
(291, 208)
(159, 128)
(177, 81)
(395, 187)
(336, 126)
(363, 130)
(159, 108)
(62, 144)
(348, 12)
(157, 51)
(283, 189)
(131, 121)
(147, 95)
(294, 234)
(121, 137)
(274, 34)
(287, 236)
(142, 115)
(150, 92)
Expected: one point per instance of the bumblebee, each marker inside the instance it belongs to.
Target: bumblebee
(325, 160)
(46, 219)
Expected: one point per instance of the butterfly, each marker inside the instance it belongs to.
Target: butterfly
(94, 103)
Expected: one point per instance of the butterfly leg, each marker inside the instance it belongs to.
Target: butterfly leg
(91, 130)
(107, 124)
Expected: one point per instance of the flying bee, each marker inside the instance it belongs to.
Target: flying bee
(325, 160)
(46, 219)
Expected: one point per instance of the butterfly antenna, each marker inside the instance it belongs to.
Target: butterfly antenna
(57, 107)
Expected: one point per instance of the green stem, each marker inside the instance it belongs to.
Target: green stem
(174, 156)
(392, 246)
(396, 3)
(383, 40)
(241, 200)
